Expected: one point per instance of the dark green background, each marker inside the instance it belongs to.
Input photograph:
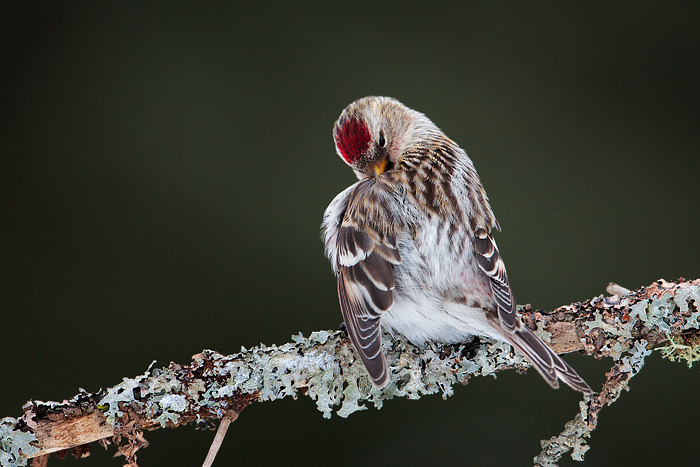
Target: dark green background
(165, 169)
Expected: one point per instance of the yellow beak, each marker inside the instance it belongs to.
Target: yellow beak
(380, 167)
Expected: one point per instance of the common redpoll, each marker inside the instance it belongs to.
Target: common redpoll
(411, 243)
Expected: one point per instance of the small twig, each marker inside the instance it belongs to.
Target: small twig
(219, 438)
(617, 289)
(573, 437)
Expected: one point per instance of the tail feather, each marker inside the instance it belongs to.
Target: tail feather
(547, 363)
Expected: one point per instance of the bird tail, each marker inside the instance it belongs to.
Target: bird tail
(547, 363)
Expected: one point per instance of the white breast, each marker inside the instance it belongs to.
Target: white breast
(435, 288)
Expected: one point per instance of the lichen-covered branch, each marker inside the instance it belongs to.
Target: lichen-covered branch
(323, 366)
(575, 431)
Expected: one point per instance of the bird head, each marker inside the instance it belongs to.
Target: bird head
(372, 133)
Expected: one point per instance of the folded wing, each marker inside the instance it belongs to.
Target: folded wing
(541, 356)
(366, 251)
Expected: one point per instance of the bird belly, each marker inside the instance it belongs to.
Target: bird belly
(440, 294)
(427, 319)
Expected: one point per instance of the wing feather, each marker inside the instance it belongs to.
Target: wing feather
(490, 262)
(547, 363)
(363, 333)
(365, 255)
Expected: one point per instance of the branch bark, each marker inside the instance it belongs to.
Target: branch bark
(323, 366)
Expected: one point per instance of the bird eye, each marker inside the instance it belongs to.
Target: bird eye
(382, 141)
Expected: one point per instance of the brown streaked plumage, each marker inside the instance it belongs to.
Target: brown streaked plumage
(411, 243)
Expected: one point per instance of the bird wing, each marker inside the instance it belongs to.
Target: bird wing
(490, 262)
(366, 251)
(550, 365)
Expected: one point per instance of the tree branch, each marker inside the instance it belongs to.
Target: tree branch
(626, 327)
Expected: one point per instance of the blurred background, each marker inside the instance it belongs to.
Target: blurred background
(166, 167)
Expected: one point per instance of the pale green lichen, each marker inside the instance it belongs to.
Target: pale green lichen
(122, 393)
(159, 389)
(621, 330)
(685, 294)
(683, 298)
(573, 437)
(677, 350)
(544, 335)
(326, 366)
(195, 389)
(635, 361)
(171, 405)
(320, 336)
(616, 328)
(617, 349)
(15, 444)
(659, 313)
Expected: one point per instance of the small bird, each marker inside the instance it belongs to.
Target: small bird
(411, 243)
